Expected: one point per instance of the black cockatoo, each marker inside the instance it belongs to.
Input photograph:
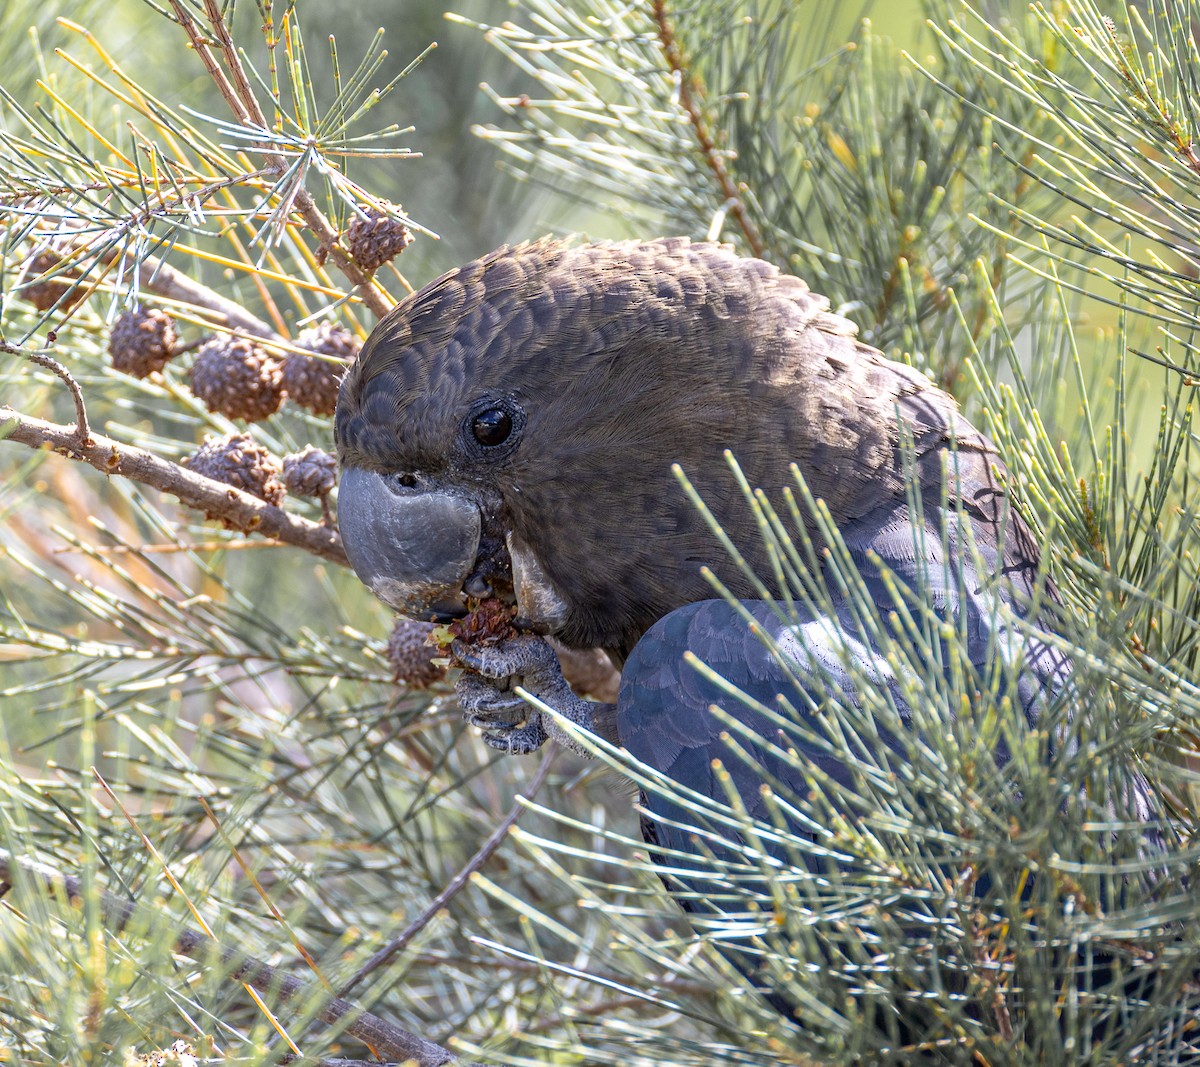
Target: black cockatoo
(510, 431)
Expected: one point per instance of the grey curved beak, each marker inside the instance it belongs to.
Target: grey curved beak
(412, 549)
(539, 604)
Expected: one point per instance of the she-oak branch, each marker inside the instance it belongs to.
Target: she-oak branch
(236, 508)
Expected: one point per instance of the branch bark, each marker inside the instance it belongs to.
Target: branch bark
(242, 102)
(588, 670)
(83, 430)
(155, 276)
(387, 1039)
(216, 499)
(690, 99)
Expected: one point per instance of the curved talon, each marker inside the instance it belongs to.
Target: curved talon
(491, 724)
(509, 723)
(480, 698)
(520, 741)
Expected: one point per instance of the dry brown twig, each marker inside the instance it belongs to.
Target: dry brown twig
(158, 277)
(155, 276)
(587, 670)
(240, 510)
(691, 98)
(456, 884)
(83, 432)
(239, 95)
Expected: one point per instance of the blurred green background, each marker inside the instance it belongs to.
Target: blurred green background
(459, 188)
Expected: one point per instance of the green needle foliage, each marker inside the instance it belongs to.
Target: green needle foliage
(742, 122)
(202, 727)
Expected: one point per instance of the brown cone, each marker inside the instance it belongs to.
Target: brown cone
(44, 294)
(376, 239)
(142, 341)
(312, 382)
(311, 472)
(236, 378)
(239, 461)
(411, 655)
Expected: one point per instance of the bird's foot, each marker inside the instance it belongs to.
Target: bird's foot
(509, 723)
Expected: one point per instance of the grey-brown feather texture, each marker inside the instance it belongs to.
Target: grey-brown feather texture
(628, 357)
(618, 360)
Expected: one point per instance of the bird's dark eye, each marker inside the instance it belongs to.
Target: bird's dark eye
(492, 427)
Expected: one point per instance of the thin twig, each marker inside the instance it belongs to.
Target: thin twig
(691, 95)
(339, 1062)
(238, 509)
(387, 1039)
(166, 549)
(245, 91)
(456, 884)
(245, 106)
(364, 283)
(202, 49)
(155, 276)
(83, 431)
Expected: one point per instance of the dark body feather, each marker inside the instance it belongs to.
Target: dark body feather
(630, 357)
(617, 361)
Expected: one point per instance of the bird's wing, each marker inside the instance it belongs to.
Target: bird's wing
(664, 705)
(714, 865)
(791, 666)
(924, 572)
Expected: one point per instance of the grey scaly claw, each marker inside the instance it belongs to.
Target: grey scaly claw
(486, 695)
